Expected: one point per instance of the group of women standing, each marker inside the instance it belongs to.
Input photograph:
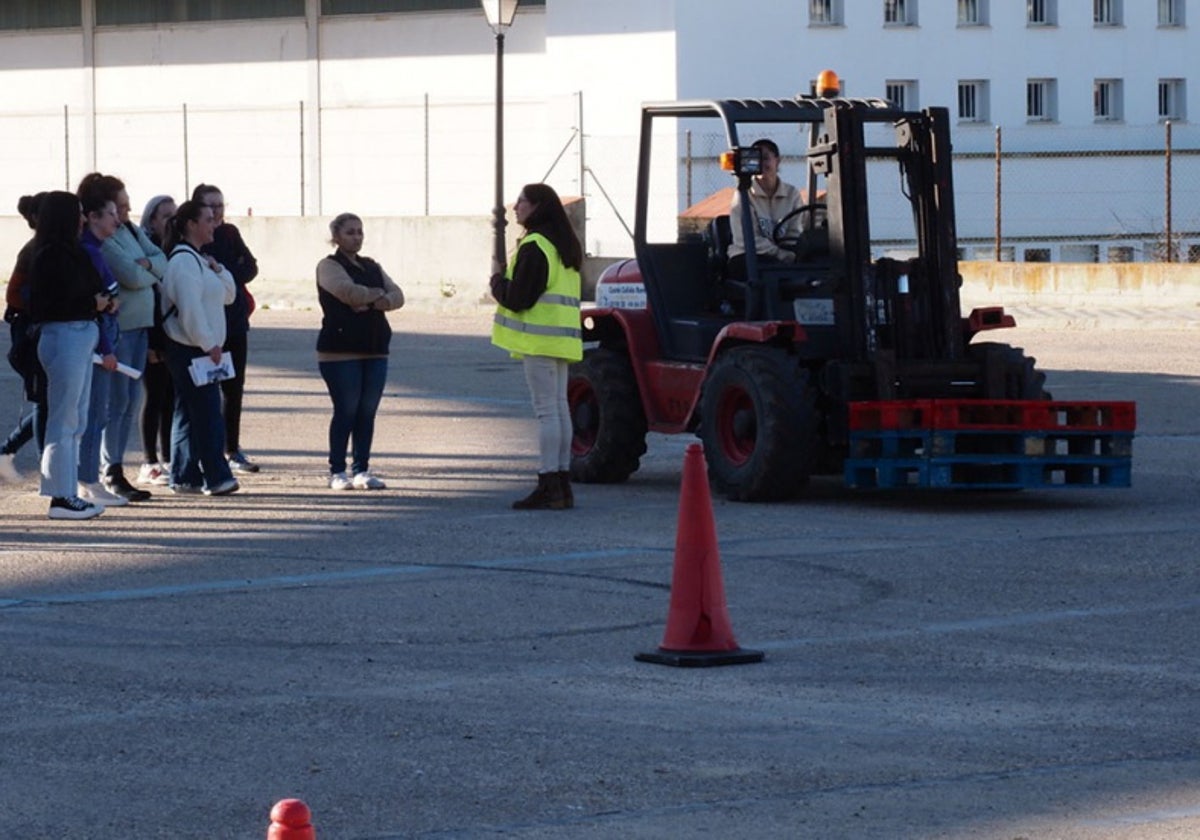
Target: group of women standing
(94, 287)
(96, 282)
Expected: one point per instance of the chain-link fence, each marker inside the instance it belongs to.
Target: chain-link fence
(1030, 194)
(416, 156)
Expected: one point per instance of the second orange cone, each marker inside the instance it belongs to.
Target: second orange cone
(698, 631)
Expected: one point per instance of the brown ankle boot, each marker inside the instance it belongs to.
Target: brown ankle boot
(546, 496)
(564, 483)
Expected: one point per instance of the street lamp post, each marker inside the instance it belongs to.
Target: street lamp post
(500, 14)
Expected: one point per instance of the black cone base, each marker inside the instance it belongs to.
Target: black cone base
(700, 659)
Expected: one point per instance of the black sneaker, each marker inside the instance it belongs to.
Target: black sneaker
(238, 462)
(73, 507)
(115, 482)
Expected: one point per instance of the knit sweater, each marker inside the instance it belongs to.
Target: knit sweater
(121, 252)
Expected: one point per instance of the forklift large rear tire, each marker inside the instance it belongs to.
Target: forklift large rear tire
(759, 424)
(607, 421)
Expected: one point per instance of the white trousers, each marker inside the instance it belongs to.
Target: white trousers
(547, 380)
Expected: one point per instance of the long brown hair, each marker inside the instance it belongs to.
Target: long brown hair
(549, 218)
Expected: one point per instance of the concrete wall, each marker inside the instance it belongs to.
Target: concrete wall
(440, 261)
(1070, 285)
(443, 262)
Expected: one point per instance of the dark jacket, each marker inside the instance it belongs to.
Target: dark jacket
(530, 275)
(345, 331)
(63, 284)
(230, 251)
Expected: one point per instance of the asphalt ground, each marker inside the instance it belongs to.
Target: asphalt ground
(424, 662)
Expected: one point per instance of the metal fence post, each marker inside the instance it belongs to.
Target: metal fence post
(996, 255)
(582, 160)
(67, 146)
(187, 177)
(688, 166)
(302, 183)
(426, 154)
(1167, 213)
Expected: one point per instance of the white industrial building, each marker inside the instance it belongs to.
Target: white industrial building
(311, 107)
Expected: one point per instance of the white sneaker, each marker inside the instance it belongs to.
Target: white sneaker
(366, 481)
(95, 493)
(339, 481)
(153, 474)
(8, 468)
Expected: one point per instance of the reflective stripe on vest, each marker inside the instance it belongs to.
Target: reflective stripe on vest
(551, 326)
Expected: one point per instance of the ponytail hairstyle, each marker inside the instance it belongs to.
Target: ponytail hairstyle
(339, 222)
(549, 218)
(27, 206)
(176, 230)
(96, 190)
(58, 220)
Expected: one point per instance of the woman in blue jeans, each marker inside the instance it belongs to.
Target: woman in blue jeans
(195, 292)
(352, 349)
(66, 295)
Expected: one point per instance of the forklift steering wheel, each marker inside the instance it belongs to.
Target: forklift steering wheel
(793, 241)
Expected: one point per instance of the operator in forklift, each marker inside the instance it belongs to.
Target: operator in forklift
(772, 201)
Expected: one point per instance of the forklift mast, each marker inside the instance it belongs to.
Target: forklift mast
(901, 309)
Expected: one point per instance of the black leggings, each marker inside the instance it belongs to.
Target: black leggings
(232, 391)
(157, 412)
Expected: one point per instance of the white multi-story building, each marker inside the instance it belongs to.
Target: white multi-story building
(309, 107)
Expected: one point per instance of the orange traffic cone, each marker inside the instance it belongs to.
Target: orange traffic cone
(698, 630)
(291, 820)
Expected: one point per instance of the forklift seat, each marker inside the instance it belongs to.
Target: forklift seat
(718, 235)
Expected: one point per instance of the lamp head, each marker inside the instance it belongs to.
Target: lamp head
(499, 13)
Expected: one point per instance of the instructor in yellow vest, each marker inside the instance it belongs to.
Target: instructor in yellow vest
(537, 321)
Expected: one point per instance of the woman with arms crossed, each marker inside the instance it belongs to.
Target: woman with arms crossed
(352, 349)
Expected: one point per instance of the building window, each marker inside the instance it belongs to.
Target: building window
(903, 93)
(1079, 253)
(1120, 253)
(1193, 254)
(122, 12)
(1040, 103)
(1041, 12)
(1170, 12)
(1037, 255)
(900, 12)
(972, 101)
(1106, 99)
(1172, 99)
(825, 12)
(972, 12)
(40, 14)
(1106, 12)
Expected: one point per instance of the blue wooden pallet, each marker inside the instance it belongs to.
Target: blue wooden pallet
(918, 443)
(990, 472)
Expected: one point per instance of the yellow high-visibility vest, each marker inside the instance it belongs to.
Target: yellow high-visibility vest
(551, 326)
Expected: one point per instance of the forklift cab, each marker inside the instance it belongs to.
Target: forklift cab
(848, 293)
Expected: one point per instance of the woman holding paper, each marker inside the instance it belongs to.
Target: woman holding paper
(97, 195)
(195, 292)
